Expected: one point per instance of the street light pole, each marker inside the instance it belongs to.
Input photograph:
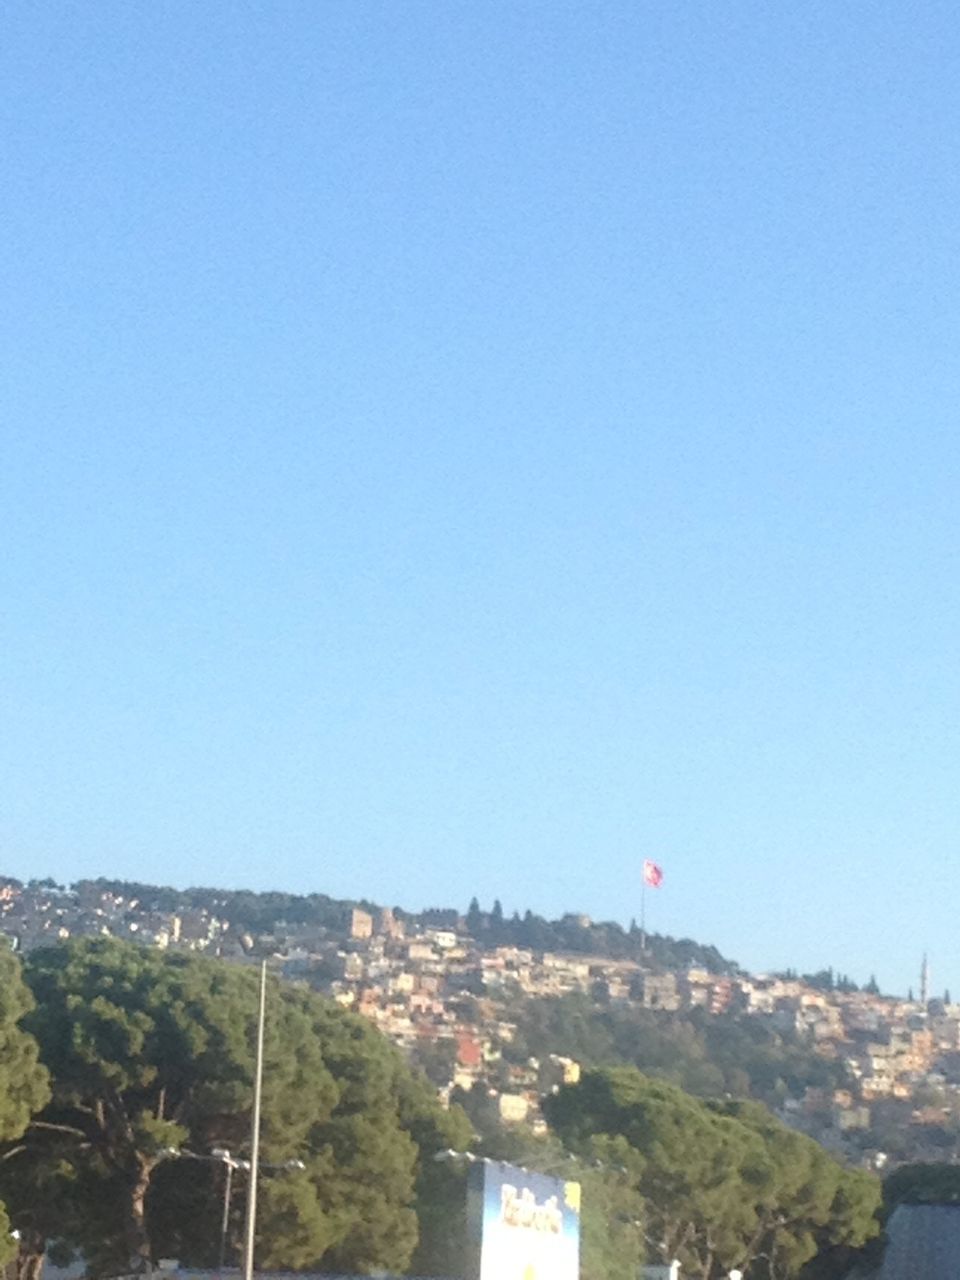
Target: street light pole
(255, 1132)
(231, 1162)
(222, 1155)
(228, 1167)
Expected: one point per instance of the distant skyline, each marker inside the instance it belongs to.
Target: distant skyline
(455, 450)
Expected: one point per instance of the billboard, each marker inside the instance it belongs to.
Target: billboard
(523, 1226)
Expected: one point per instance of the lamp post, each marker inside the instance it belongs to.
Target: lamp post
(225, 1217)
(251, 1229)
(230, 1162)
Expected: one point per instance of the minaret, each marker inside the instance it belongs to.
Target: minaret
(924, 981)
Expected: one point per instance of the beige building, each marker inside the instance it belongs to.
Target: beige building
(361, 924)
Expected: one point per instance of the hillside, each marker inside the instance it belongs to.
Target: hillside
(277, 913)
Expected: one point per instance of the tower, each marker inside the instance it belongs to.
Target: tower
(924, 981)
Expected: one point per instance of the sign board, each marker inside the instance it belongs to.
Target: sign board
(523, 1226)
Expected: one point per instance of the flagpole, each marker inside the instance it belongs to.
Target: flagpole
(643, 913)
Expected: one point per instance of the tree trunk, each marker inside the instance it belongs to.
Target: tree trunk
(30, 1256)
(138, 1242)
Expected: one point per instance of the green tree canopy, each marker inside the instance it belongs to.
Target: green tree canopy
(706, 1055)
(24, 1086)
(152, 1054)
(724, 1186)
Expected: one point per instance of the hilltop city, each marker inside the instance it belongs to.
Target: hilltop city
(874, 1078)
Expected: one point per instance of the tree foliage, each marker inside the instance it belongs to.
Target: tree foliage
(706, 1055)
(724, 1185)
(24, 1086)
(152, 1054)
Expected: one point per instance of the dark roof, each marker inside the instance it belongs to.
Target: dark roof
(923, 1243)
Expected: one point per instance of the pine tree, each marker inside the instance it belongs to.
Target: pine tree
(474, 916)
(151, 1054)
(24, 1083)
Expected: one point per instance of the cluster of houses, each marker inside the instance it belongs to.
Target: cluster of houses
(41, 915)
(444, 996)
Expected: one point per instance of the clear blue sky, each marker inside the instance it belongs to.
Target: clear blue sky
(466, 448)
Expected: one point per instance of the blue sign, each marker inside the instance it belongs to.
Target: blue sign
(524, 1226)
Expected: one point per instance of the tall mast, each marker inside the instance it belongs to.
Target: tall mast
(251, 1225)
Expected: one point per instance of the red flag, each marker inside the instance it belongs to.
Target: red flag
(652, 874)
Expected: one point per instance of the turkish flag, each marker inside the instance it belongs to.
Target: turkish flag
(652, 874)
